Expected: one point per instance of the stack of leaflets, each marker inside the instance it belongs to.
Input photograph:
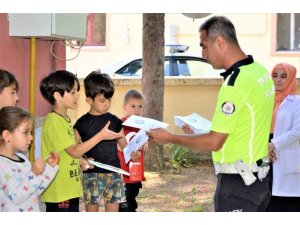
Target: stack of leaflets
(144, 123)
(198, 123)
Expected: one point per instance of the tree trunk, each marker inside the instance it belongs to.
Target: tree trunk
(153, 80)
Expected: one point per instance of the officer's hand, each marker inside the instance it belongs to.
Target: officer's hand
(187, 129)
(159, 135)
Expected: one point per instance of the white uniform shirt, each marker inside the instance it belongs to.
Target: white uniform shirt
(286, 138)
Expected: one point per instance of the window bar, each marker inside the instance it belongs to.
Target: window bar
(292, 34)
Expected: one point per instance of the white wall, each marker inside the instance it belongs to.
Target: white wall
(91, 58)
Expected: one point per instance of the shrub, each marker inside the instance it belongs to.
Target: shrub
(181, 157)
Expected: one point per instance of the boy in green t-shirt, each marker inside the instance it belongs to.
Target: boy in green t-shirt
(60, 89)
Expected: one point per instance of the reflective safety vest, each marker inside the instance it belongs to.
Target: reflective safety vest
(244, 111)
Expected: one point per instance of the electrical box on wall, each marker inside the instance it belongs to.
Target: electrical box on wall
(50, 26)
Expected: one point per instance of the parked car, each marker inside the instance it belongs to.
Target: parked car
(177, 63)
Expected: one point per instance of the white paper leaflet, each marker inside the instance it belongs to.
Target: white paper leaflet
(198, 123)
(135, 144)
(144, 123)
(109, 167)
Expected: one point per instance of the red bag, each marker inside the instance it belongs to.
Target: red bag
(135, 171)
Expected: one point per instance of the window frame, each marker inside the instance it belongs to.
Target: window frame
(97, 47)
(274, 51)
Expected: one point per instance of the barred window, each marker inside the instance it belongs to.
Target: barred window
(288, 32)
(96, 30)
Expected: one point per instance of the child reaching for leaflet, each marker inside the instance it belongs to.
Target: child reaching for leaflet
(99, 183)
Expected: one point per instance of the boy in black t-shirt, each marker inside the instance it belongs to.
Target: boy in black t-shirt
(97, 182)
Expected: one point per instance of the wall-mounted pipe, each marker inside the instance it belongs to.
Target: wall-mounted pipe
(32, 91)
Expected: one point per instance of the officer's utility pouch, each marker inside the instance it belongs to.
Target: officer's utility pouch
(245, 171)
(263, 170)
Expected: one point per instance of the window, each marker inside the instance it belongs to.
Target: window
(288, 32)
(132, 69)
(96, 30)
(205, 70)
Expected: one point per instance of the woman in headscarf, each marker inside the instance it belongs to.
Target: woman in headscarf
(284, 147)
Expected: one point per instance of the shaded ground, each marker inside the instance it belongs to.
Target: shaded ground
(190, 190)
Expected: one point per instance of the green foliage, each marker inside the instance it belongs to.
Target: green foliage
(197, 208)
(181, 157)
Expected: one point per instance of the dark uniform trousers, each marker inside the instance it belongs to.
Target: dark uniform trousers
(232, 195)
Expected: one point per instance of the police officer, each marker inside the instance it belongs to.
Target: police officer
(240, 125)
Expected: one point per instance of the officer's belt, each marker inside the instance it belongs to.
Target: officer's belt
(230, 168)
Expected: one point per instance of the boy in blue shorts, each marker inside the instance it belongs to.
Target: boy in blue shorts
(98, 182)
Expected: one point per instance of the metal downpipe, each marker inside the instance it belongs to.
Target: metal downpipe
(32, 92)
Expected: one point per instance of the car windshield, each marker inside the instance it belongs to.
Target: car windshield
(175, 66)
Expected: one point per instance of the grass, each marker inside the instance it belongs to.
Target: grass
(197, 208)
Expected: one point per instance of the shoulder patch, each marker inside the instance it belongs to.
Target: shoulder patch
(228, 108)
